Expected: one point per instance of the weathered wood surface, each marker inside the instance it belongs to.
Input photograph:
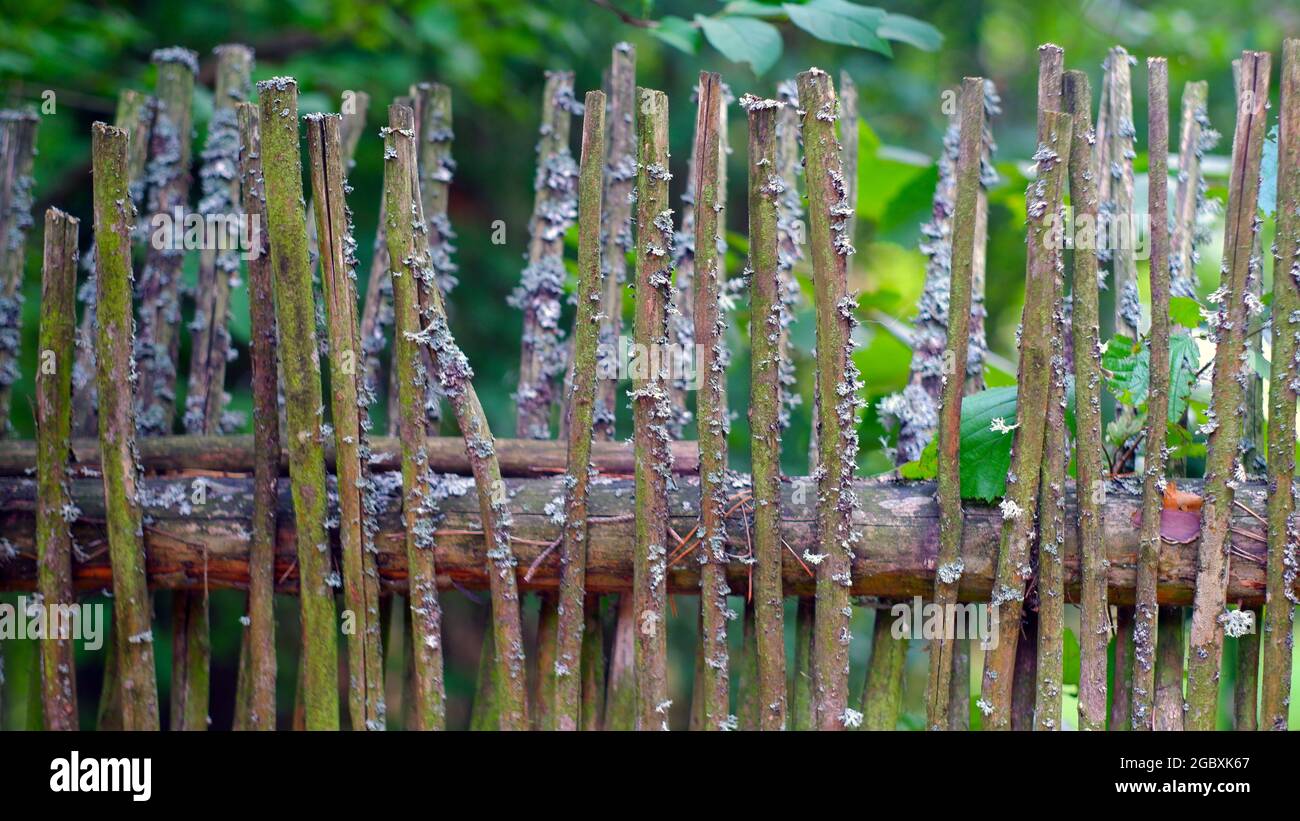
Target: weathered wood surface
(234, 454)
(188, 545)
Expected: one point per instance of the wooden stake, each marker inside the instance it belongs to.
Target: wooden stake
(158, 291)
(950, 566)
(428, 692)
(295, 310)
(53, 432)
(828, 211)
(1279, 610)
(1043, 202)
(651, 409)
(542, 281)
(572, 616)
(114, 221)
(349, 403)
(258, 676)
(765, 332)
(1226, 410)
(1145, 612)
(1094, 630)
(17, 153)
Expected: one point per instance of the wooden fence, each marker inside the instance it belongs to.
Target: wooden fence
(315, 505)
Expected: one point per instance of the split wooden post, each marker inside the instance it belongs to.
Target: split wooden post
(651, 408)
(620, 179)
(711, 404)
(295, 309)
(542, 281)
(53, 436)
(159, 286)
(828, 225)
(765, 331)
(1279, 608)
(257, 677)
(949, 568)
(428, 711)
(571, 611)
(1226, 410)
(1094, 629)
(1043, 202)
(114, 222)
(1142, 703)
(350, 416)
(17, 153)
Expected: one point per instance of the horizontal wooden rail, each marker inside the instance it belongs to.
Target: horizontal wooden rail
(234, 454)
(190, 543)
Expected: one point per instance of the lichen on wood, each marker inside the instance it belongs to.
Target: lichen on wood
(572, 612)
(1145, 622)
(651, 408)
(1279, 609)
(541, 283)
(766, 331)
(135, 115)
(158, 291)
(54, 506)
(1018, 507)
(295, 310)
(711, 403)
(455, 381)
(948, 571)
(350, 420)
(837, 413)
(116, 377)
(1094, 617)
(257, 675)
(17, 153)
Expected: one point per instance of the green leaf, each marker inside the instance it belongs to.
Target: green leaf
(749, 8)
(1128, 366)
(985, 454)
(743, 40)
(909, 30)
(1184, 311)
(678, 33)
(839, 21)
